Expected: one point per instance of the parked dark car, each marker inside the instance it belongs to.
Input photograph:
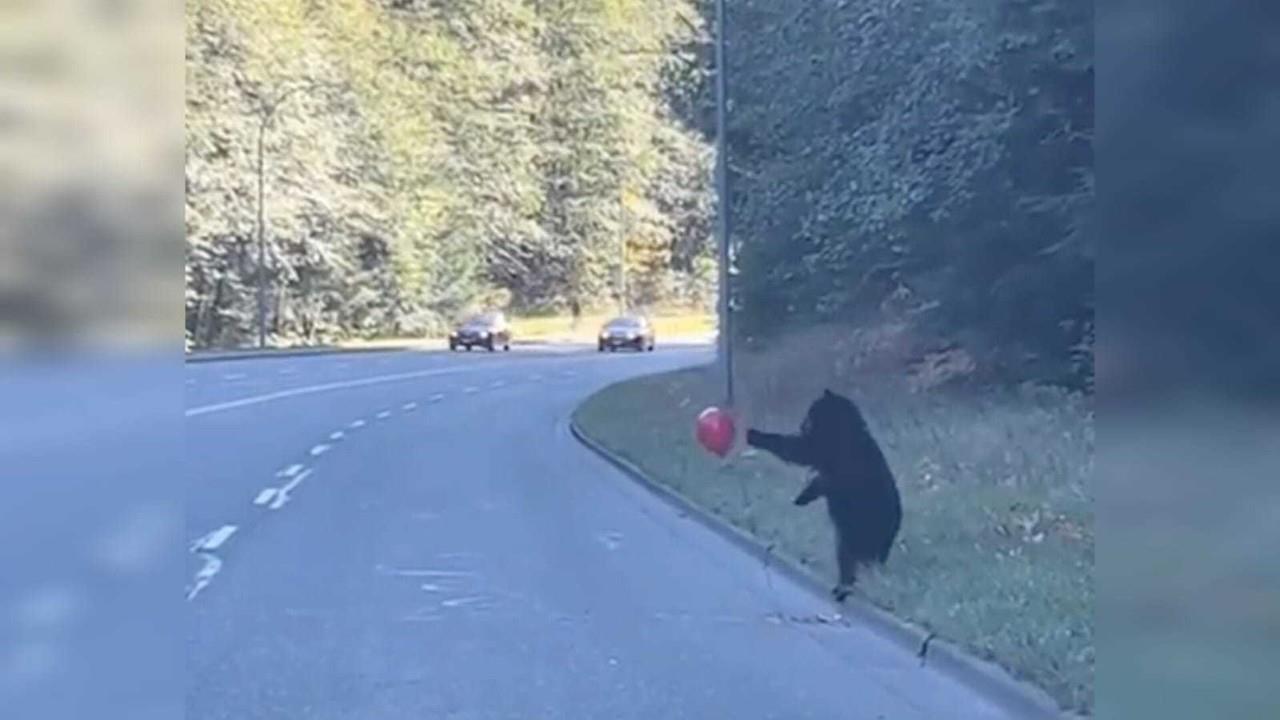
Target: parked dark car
(489, 331)
(628, 331)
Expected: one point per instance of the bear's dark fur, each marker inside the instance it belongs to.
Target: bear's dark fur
(851, 472)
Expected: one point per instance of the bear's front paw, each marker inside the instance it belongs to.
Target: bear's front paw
(753, 436)
(840, 592)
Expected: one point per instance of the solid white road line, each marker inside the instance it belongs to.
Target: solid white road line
(346, 384)
(322, 388)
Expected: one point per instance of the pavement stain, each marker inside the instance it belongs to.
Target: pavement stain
(611, 540)
(470, 600)
(834, 619)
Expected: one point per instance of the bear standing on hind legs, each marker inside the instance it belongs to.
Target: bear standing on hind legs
(862, 496)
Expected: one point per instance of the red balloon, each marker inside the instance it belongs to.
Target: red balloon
(715, 430)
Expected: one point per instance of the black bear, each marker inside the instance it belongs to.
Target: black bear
(851, 472)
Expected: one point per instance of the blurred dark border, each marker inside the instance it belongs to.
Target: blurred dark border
(91, 388)
(1188, 118)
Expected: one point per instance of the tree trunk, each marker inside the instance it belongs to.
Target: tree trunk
(214, 326)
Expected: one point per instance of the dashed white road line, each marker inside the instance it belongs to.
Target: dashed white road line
(282, 495)
(435, 398)
(535, 377)
(211, 567)
(318, 450)
(469, 390)
(288, 371)
(384, 415)
(336, 435)
(497, 383)
(214, 540)
(290, 471)
(234, 376)
(455, 602)
(408, 406)
(356, 424)
(265, 496)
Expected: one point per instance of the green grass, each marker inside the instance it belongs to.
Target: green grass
(996, 551)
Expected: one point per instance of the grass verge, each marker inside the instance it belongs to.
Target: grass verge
(996, 552)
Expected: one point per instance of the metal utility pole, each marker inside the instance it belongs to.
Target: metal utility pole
(266, 112)
(623, 298)
(262, 243)
(722, 206)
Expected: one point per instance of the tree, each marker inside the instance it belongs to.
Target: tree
(930, 160)
(442, 156)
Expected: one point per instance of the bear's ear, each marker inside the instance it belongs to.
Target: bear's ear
(827, 393)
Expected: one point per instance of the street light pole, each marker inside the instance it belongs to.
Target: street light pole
(262, 243)
(266, 112)
(722, 192)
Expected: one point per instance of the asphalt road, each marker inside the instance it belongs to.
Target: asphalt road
(417, 535)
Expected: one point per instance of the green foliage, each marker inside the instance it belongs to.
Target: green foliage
(422, 158)
(930, 160)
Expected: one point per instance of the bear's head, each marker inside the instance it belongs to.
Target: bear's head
(831, 419)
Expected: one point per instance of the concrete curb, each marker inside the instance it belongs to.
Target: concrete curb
(993, 682)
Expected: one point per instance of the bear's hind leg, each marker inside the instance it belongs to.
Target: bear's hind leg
(848, 571)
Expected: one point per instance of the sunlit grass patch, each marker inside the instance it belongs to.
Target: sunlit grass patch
(563, 328)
